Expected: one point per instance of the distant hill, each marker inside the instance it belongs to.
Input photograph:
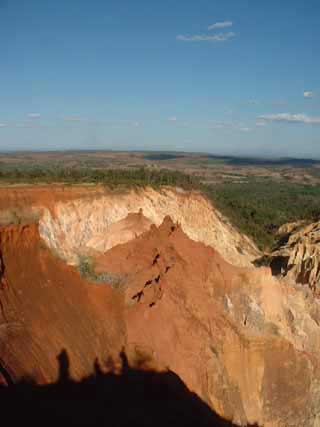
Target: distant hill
(263, 161)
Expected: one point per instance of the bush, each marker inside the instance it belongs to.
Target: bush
(87, 271)
(110, 177)
(258, 209)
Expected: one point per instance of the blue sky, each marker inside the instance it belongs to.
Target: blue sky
(233, 76)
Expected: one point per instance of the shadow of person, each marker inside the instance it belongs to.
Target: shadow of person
(124, 361)
(64, 366)
(129, 398)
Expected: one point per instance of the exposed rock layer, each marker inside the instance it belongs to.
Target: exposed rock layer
(89, 224)
(241, 340)
(297, 255)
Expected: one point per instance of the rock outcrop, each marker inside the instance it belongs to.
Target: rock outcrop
(297, 255)
(249, 345)
(89, 224)
(240, 339)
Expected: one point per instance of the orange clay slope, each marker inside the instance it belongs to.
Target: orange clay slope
(243, 342)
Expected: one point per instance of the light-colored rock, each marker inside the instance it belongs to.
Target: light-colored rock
(297, 256)
(90, 223)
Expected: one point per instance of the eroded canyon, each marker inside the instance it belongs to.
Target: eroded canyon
(191, 301)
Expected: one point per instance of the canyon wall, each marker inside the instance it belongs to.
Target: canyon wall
(241, 340)
(88, 223)
(190, 302)
(296, 257)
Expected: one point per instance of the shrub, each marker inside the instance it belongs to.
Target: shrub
(87, 270)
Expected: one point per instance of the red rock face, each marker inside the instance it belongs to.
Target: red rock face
(46, 306)
(226, 331)
(221, 328)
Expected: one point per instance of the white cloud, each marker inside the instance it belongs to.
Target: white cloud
(214, 124)
(2, 125)
(136, 124)
(75, 119)
(221, 37)
(254, 102)
(265, 103)
(85, 120)
(33, 115)
(172, 119)
(217, 126)
(308, 94)
(261, 123)
(290, 118)
(224, 24)
(29, 125)
(229, 125)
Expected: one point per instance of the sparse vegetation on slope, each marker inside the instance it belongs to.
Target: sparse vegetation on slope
(86, 268)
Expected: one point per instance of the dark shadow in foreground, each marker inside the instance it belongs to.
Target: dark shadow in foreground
(131, 397)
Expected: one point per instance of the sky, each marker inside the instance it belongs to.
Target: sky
(237, 77)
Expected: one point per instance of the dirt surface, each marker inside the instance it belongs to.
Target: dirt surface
(225, 331)
(24, 197)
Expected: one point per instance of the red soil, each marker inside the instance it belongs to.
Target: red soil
(172, 315)
(46, 306)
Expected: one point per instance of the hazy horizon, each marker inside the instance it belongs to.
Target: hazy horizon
(228, 78)
(179, 152)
